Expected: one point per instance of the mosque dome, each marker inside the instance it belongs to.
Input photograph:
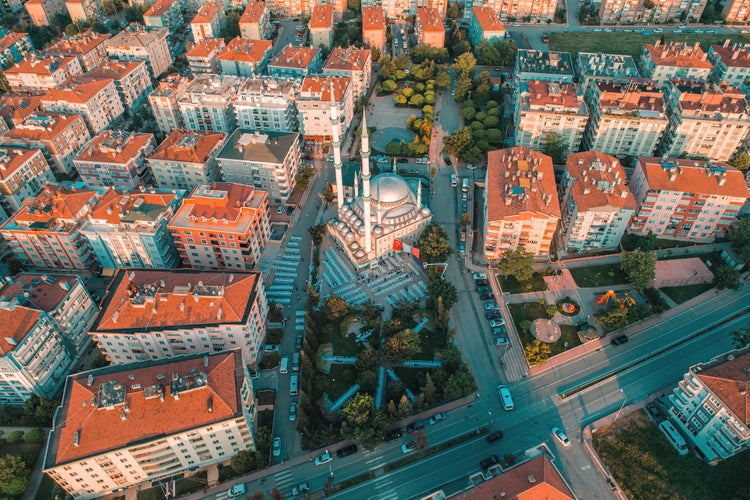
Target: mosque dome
(390, 188)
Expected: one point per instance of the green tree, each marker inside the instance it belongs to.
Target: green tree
(231, 26)
(4, 85)
(494, 136)
(518, 263)
(739, 238)
(35, 436)
(468, 113)
(429, 390)
(740, 161)
(317, 233)
(416, 100)
(402, 61)
(741, 338)
(442, 80)
(362, 422)
(459, 384)
(245, 461)
(457, 142)
(726, 276)
(537, 352)
(464, 64)
(525, 325)
(14, 475)
(433, 243)
(387, 68)
(556, 147)
(134, 14)
(640, 268)
(438, 288)
(463, 85)
(404, 407)
(614, 318)
(388, 86)
(329, 195)
(15, 437)
(336, 307)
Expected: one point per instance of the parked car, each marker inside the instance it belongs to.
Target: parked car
(487, 296)
(331, 158)
(276, 446)
(347, 450)
(293, 412)
(619, 340)
(402, 160)
(492, 314)
(423, 160)
(479, 276)
(323, 459)
(271, 348)
(481, 282)
(237, 490)
(436, 418)
(416, 425)
(280, 210)
(483, 289)
(499, 330)
(409, 446)
(561, 436)
(383, 159)
(301, 488)
(494, 436)
(497, 322)
(653, 411)
(393, 434)
(501, 341)
(447, 160)
(298, 342)
(461, 247)
(488, 462)
(289, 210)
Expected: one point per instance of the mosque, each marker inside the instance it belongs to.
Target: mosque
(366, 227)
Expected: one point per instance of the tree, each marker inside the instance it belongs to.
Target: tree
(387, 68)
(739, 237)
(537, 352)
(440, 293)
(134, 14)
(362, 422)
(402, 61)
(231, 26)
(404, 407)
(35, 436)
(14, 475)
(464, 64)
(741, 338)
(4, 85)
(726, 276)
(459, 384)
(442, 80)
(336, 307)
(388, 86)
(518, 263)
(457, 142)
(15, 437)
(429, 390)
(416, 100)
(433, 243)
(556, 147)
(329, 195)
(640, 268)
(317, 232)
(740, 161)
(245, 461)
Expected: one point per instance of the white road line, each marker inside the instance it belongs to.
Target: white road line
(376, 459)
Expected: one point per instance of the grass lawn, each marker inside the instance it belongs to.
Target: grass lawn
(682, 294)
(646, 466)
(192, 483)
(534, 310)
(628, 43)
(592, 276)
(512, 285)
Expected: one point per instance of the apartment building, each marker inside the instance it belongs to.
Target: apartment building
(373, 27)
(140, 43)
(164, 102)
(222, 226)
(132, 80)
(14, 47)
(314, 106)
(268, 104)
(89, 47)
(186, 159)
(45, 232)
(731, 63)
(544, 66)
(625, 119)
(544, 108)
(641, 12)
(597, 205)
(97, 100)
(208, 21)
(149, 421)
(690, 200)
(429, 27)
(15, 107)
(663, 62)
(705, 119)
(129, 229)
(39, 74)
(116, 158)
(47, 318)
(521, 207)
(485, 24)
(598, 67)
(709, 406)
(59, 136)
(42, 12)
(244, 57)
(352, 63)
(736, 11)
(165, 14)
(395, 9)
(515, 10)
(255, 22)
(296, 62)
(207, 103)
(269, 161)
(203, 57)
(84, 11)
(23, 174)
(321, 26)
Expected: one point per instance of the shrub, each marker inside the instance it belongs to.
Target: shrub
(35, 436)
(15, 437)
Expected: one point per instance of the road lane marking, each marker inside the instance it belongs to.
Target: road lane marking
(376, 459)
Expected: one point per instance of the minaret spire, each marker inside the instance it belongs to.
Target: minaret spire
(336, 142)
(365, 153)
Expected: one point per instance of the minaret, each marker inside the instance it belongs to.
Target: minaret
(365, 152)
(419, 194)
(336, 141)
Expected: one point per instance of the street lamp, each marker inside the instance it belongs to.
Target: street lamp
(624, 400)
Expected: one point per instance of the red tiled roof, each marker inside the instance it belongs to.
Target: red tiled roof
(112, 69)
(632, 96)
(189, 299)
(80, 92)
(553, 94)
(488, 19)
(17, 324)
(522, 187)
(349, 58)
(114, 146)
(320, 87)
(54, 202)
(52, 125)
(243, 49)
(429, 18)
(113, 204)
(17, 106)
(253, 12)
(730, 381)
(207, 13)
(159, 8)
(600, 181)
(10, 39)
(295, 57)
(12, 159)
(100, 429)
(536, 479)
(734, 56)
(373, 18)
(188, 146)
(701, 97)
(678, 54)
(322, 17)
(45, 65)
(206, 47)
(694, 176)
(46, 292)
(79, 44)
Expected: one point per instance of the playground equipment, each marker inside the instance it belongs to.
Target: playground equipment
(611, 298)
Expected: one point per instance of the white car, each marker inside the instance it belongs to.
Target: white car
(436, 418)
(237, 490)
(479, 276)
(497, 322)
(383, 159)
(276, 446)
(423, 161)
(409, 446)
(323, 459)
(561, 436)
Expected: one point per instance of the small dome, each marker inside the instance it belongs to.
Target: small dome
(359, 254)
(426, 212)
(390, 188)
(378, 230)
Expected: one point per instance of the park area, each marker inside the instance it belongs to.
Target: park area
(645, 465)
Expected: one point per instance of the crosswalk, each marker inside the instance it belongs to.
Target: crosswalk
(385, 488)
(284, 479)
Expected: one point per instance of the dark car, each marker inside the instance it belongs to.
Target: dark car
(393, 434)
(415, 426)
(493, 315)
(494, 436)
(483, 289)
(402, 160)
(619, 340)
(487, 296)
(298, 342)
(653, 411)
(612, 485)
(481, 283)
(488, 462)
(447, 161)
(347, 450)
(289, 210)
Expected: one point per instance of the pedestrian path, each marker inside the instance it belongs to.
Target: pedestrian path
(284, 479)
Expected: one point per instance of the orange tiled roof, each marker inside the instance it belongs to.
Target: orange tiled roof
(535, 479)
(159, 8)
(295, 57)
(188, 146)
(62, 202)
(45, 292)
(320, 87)
(373, 18)
(206, 47)
(207, 13)
(113, 204)
(12, 159)
(79, 44)
(700, 97)
(99, 427)
(553, 94)
(735, 55)
(78, 93)
(45, 65)
(694, 176)
(17, 324)
(113, 69)
(678, 54)
(529, 185)
(636, 95)
(10, 39)
(349, 58)
(246, 50)
(253, 12)
(730, 381)
(488, 19)
(429, 19)
(599, 181)
(115, 146)
(44, 126)
(322, 17)
(17, 106)
(188, 299)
